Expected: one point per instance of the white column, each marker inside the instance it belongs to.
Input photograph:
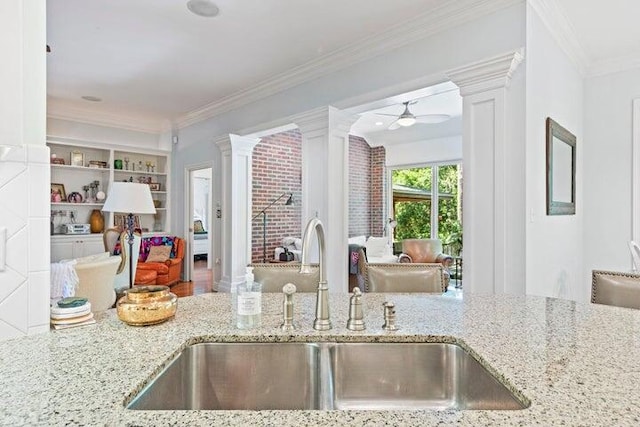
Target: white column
(483, 86)
(325, 184)
(236, 207)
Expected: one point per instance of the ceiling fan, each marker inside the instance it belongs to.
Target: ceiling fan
(407, 119)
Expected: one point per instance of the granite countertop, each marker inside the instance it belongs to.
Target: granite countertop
(577, 363)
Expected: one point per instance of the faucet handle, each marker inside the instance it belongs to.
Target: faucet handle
(389, 316)
(287, 307)
(356, 316)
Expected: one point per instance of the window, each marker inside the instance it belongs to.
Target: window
(423, 212)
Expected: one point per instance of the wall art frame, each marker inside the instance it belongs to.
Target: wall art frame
(561, 169)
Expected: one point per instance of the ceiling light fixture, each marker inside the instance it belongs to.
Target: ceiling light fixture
(204, 8)
(91, 98)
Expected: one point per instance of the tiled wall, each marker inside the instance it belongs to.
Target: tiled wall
(24, 211)
(277, 169)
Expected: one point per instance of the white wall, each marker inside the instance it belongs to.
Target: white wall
(414, 66)
(421, 152)
(607, 158)
(203, 153)
(24, 173)
(554, 243)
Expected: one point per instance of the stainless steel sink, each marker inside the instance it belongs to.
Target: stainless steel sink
(237, 376)
(381, 376)
(414, 376)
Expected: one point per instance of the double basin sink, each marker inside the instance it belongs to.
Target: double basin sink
(325, 376)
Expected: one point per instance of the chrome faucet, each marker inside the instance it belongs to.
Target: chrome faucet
(322, 321)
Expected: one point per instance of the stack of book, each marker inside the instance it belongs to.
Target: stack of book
(70, 312)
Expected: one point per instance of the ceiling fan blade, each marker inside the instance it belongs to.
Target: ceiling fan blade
(394, 125)
(384, 114)
(433, 118)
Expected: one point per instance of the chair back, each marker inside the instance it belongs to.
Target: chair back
(422, 250)
(635, 254)
(398, 277)
(615, 288)
(110, 237)
(274, 276)
(122, 275)
(96, 278)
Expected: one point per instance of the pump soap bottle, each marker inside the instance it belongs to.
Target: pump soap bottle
(249, 310)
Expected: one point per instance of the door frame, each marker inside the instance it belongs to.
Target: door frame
(188, 215)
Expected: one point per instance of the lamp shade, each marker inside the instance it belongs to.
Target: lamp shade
(129, 197)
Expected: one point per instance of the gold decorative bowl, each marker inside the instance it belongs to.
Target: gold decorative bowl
(147, 305)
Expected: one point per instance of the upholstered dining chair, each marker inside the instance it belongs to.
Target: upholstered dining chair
(415, 277)
(96, 274)
(615, 288)
(273, 276)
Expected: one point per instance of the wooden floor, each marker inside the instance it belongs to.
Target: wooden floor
(202, 281)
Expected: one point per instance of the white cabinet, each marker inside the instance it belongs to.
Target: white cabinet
(82, 165)
(75, 246)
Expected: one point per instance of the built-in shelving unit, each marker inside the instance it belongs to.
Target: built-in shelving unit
(88, 162)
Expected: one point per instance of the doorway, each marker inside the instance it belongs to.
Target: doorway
(200, 220)
(427, 204)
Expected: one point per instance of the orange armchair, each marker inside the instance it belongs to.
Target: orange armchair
(161, 273)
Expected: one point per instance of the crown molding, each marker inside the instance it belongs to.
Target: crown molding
(491, 73)
(64, 111)
(562, 31)
(445, 16)
(614, 65)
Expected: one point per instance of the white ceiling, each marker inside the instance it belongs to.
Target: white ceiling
(605, 29)
(154, 61)
(154, 57)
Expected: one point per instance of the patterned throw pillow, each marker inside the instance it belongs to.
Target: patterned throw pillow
(158, 253)
(148, 242)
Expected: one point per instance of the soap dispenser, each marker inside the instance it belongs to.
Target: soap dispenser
(249, 310)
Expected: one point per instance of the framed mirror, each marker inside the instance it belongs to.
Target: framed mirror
(561, 170)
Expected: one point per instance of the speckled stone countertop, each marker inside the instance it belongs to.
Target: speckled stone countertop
(579, 364)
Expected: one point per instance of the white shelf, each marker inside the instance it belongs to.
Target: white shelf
(75, 177)
(128, 172)
(79, 168)
(69, 204)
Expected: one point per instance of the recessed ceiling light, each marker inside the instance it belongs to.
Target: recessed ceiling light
(91, 98)
(379, 123)
(203, 8)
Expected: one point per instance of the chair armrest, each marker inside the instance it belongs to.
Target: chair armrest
(445, 260)
(405, 258)
(173, 261)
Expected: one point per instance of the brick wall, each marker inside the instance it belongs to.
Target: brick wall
(367, 186)
(277, 169)
(359, 186)
(378, 191)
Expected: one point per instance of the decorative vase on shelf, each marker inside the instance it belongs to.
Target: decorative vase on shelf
(96, 220)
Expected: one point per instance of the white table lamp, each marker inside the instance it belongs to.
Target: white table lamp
(130, 198)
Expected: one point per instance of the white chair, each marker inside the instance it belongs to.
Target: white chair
(96, 275)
